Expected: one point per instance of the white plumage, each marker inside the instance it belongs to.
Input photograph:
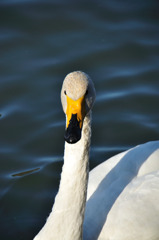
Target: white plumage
(123, 192)
(123, 196)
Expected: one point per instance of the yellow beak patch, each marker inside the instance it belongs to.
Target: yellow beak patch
(75, 107)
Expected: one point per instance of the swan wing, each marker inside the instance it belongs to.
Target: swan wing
(123, 196)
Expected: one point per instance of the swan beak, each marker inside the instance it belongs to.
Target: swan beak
(75, 114)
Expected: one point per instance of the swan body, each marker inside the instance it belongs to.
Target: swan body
(123, 194)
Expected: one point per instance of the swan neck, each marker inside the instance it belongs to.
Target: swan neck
(67, 216)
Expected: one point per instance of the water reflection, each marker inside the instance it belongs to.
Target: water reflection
(20, 174)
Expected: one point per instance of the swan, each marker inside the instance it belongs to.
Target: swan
(122, 199)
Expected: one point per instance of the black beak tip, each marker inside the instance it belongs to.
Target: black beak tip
(72, 137)
(73, 131)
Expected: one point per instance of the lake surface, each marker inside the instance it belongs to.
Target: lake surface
(117, 44)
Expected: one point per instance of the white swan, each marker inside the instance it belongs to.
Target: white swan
(123, 192)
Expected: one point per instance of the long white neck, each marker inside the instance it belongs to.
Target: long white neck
(66, 219)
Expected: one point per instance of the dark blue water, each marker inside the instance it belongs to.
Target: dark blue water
(117, 44)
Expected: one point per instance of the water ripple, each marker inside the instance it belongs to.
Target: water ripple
(117, 44)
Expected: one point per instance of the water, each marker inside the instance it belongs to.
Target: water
(117, 44)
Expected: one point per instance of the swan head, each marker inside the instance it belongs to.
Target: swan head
(77, 97)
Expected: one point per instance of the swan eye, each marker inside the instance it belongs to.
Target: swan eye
(65, 92)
